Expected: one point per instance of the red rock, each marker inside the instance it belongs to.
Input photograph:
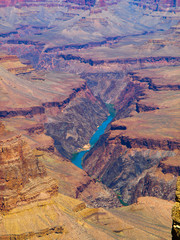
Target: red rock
(23, 178)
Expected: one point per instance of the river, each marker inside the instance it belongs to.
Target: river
(77, 159)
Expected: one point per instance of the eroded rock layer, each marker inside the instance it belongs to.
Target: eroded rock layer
(74, 182)
(62, 217)
(176, 214)
(60, 103)
(23, 178)
(68, 114)
(139, 155)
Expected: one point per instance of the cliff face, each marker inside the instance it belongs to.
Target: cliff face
(69, 112)
(139, 154)
(176, 214)
(76, 123)
(23, 178)
(75, 182)
(31, 208)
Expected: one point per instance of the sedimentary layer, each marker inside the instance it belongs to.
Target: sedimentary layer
(176, 214)
(60, 103)
(23, 177)
(62, 217)
(139, 154)
(75, 182)
(73, 114)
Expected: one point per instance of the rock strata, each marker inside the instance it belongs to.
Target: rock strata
(176, 214)
(138, 155)
(23, 178)
(68, 111)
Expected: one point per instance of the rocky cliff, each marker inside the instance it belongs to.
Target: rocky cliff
(139, 154)
(31, 208)
(75, 182)
(67, 116)
(69, 111)
(23, 178)
(176, 214)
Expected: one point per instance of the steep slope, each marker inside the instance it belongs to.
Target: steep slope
(22, 93)
(23, 178)
(139, 155)
(76, 183)
(62, 102)
(176, 214)
(32, 209)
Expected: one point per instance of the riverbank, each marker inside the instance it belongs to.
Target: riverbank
(77, 158)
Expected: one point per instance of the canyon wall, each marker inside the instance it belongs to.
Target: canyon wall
(70, 114)
(176, 214)
(158, 5)
(23, 177)
(139, 153)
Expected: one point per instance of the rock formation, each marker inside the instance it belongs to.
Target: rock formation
(129, 57)
(75, 182)
(139, 155)
(69, 112)
(176, 214)
(31, 207)
(30, 121)
(23, 178)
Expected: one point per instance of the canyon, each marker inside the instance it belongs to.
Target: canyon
(140, 146)
(175, 215)
(63, 66)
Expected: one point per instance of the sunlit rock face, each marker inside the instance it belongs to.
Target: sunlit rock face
(176, 214)
(23, 178)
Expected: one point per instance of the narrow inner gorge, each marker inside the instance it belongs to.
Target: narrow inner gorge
(78, 157)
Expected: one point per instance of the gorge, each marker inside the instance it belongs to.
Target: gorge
(64, 67)
(78, 157)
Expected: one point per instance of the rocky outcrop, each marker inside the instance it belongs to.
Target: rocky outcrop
(14, 65)
(176, 214)
(88, 64)
(23, 178)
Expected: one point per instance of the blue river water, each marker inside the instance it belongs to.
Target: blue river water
(77, 159)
